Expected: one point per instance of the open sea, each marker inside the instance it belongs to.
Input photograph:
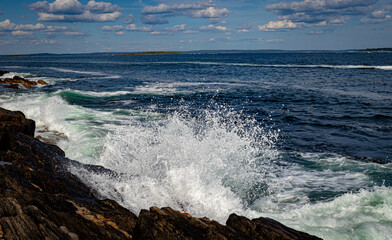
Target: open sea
(303, 138)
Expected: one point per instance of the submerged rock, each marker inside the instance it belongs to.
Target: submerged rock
(40, 199)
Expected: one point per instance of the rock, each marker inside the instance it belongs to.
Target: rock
(12, 85)
(33, 83)
(3, 72)
(18, 79)
(40, 199)
(26, 85)
(42, 82)
(265, 228)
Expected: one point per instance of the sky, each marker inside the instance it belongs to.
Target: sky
(83, 26)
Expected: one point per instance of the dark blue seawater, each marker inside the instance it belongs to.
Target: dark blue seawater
(303, 138)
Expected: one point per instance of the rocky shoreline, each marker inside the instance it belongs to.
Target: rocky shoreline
(40, 199)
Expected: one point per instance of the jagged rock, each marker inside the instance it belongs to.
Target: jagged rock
(40, 199)
(264, 228)
(42, 82)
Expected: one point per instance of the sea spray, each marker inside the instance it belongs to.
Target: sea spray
(203, 165)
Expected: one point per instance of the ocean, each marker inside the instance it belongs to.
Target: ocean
(303, 138)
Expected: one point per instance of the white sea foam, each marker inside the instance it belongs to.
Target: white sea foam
(101, 94)
(363, 215)
(76, 71)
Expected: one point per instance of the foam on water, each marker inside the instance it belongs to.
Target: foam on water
(76, 71)
(363, 215)
(102, 94)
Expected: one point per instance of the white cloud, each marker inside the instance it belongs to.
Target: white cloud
(212, 27)
(310, 13)
(84, 17)
(30, 27)
(212, 39)
(7, 25)
(74, 11)
(19, 33)
(196, 10)
(102, 7)
(20, 30)
(75, 34)
(120, 33)
(279, 26)
(164, 8)
(378, 16)
(211, 12)
(133, 27)
(112, 28)
(177, 28)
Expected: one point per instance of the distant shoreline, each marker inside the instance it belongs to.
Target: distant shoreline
(233, 51)
(158, 53)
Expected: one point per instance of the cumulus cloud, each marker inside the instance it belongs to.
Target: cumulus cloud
(196, 10)
(20, 30)
(378, 16)
(74, 11)
(279, 25)
(7, 25)
(309, 13)
(211, 12)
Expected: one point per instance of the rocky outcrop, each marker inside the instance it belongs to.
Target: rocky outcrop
(16, 82)
(40, 199)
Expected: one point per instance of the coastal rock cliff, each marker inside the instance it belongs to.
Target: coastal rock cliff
(40, 199)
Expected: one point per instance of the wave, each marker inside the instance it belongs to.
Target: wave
(76, 71)
(99, 94)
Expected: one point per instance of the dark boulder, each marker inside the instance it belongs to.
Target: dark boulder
(3, 72)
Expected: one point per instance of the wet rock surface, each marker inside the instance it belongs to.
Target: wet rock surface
(40, 199)
(17, 82)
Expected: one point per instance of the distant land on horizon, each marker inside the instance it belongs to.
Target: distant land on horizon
(367, 50)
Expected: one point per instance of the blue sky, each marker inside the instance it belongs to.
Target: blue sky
(73, 26)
